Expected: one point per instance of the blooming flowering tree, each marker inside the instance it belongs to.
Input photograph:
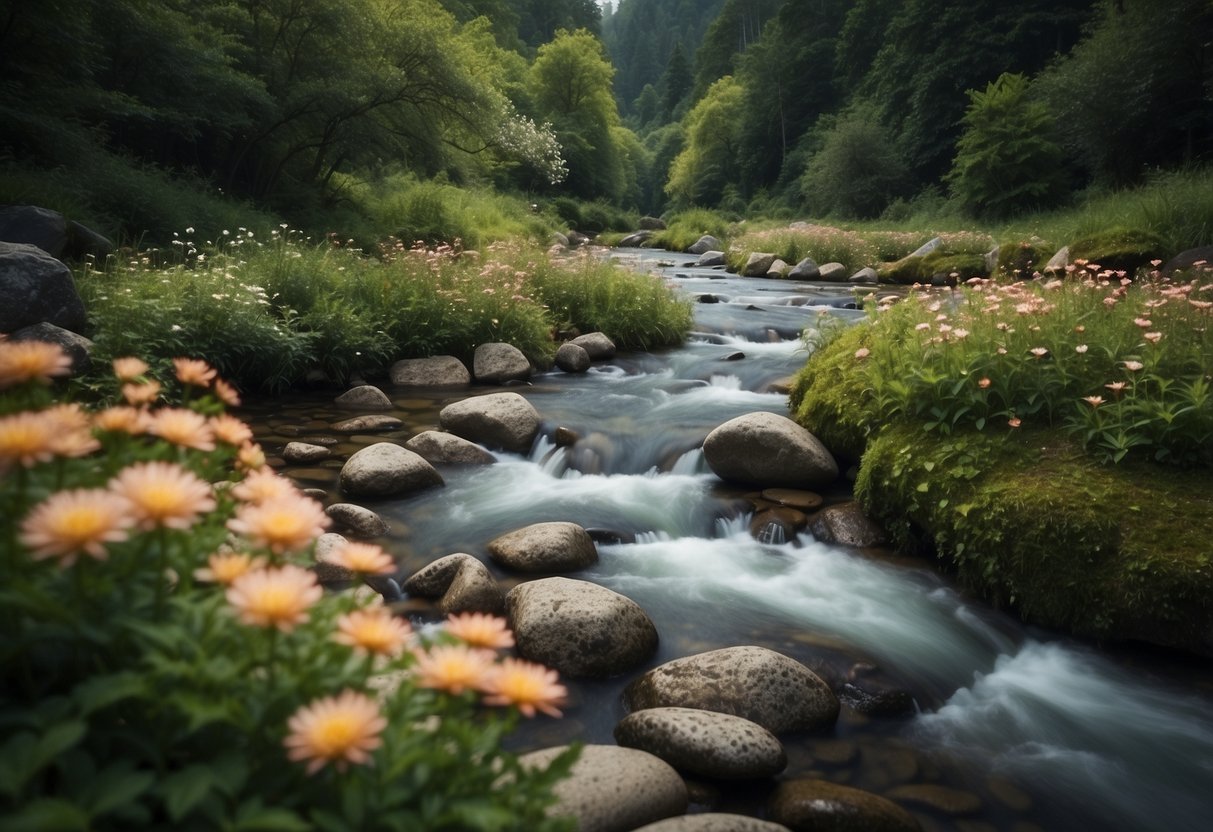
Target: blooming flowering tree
(171, 662)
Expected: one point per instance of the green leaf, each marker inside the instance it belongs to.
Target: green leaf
(923, 487)
(100, 691)
(930, 466)
(46, 815)
(116, 786)
(266, 819)
(183, 790)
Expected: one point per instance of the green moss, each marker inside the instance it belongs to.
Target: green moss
(1120, 248)
(940, 265)
(1112, 552)
(1019, 259)
(828, 397)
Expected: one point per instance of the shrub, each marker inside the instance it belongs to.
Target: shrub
(857, 172)
(171, 662)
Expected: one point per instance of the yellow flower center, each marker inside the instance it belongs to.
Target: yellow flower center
(334, 735)
(83, 523)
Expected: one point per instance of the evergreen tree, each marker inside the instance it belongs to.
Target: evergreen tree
(675, 82)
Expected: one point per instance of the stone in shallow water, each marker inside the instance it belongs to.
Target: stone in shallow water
(387, 470)
(713, 822)
(939, 798)
(304, 452)
(706, 743)
(498, 420)
(820, 806)
(357, 521)
(545, 547)
(793, 498)
(463, 583)
(441, 448)
(364, 397)
(376, 422)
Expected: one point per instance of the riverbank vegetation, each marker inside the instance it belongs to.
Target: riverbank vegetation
(171, 660)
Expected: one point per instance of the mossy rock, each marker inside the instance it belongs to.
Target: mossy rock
(828, 397)
(1034, 524)
(1020, 259)
(936, 267)
(1117, 249)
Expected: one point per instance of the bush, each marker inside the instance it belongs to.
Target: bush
(857, 172)
(172, 662)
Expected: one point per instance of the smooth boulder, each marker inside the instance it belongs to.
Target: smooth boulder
(613, 789)
(461, 582)
(35, 287)
(583, 630)
(497, 363)
(498, 420)
(757, 264)
(572, 358)
(777, 692)
(597, 345)
(364, 397)
(768, 451)
(846, 525)
(704, 244)
(356, 521)
(78, 348)
(819, 806)
(441, 448)
(435, 371)
(704, 743)
(713, 822)
(806, 269)
(545, 548)
(304, 452)
(386, 470)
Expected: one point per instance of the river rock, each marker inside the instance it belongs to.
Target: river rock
(1058, 262)
(78, 348)
(386, 470)
(820, 806)
(572, 358)
(713, 822)
(770, 451)
(497, 363)
(938, 798)
(303, 453)
(462, 582)
(806, 269)
(360, 424)
(757, 264)
(364, 397)
(545, 547)
(1188, 259)
(777, 525)
(705, 743)
(440, 448)
(777, 269)
(435, 371)
(35, 287)
(613, 789)
(704, 244)
(356, 521)
(709, 259)
(581, 629)
(929, 247)
(635, 240)
(499, 420)
(846, 525)
(597, 345)
(326, 571)
(793, 498)
(832, 272)
(866, 276)
(777, 692)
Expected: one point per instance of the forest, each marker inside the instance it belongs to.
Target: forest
(136, 113)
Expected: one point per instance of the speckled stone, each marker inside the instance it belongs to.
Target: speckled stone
(777, 692)
(713, 822)
(581, 629)
(938, 798)
(846, 525)
(706, 743)
(821, 806)
(545, 547)
(572, 358)
(356, 521)
(386, 470)
(613, 789)
(461, 581)
(441, 448)
(364, 397)
(302, 453)
(373, 422)
(498, 420)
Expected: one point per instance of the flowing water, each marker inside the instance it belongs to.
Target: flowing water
(1047, 732)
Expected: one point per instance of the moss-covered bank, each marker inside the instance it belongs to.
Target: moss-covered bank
(1026, 519)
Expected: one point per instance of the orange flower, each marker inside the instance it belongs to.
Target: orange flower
(231, 430)
(1094, 401)
(163, 494)
(75, 522)
(453, 668)
(129, 368)
(983, 383)
(184, 428)
(121, 419)
(22, 361)
(262, 485)
(278, 597)
(340, 729)
(480, 630)
(1014, 421)
(250, 456)
(283, 524)
(141, 394)
(373, 630)
(26, 439)
(226, 393)
(363, 558)
(226, 567)
(194, 371)
(528, 686)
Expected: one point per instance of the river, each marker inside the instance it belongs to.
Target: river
(1048, 732)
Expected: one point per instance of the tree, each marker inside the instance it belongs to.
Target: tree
(708, 161)
(540, 20)
(857, 172)
(1006, 159)
(675, 82)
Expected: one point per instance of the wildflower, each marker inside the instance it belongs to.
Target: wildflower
(373, 631)
(922, 326)
(129, 368)
(163, 494)
(1080, 329)
(984, 383)
(1134, 366)
(1039, 352)
(960, 334)
(453, 668)
(862, 353)
(1109, 301)
(40, 361)
(121, 419)
(79, 521)
(194, 371)
(226, 393)
(1144, 323)
(1153, 337)
(528, 686)
(1080, 349)
(1116, 387)
(1094, 401)
(276, 597)
(141, 394)
(1200, 304)
(184, 428)
(250, 456)
(283, 524)
(26, 439)
(230, 430)
(340, 729)
(1014, 421)
(226, 567)
(480, 630)
(262, 485)
(363, 558)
